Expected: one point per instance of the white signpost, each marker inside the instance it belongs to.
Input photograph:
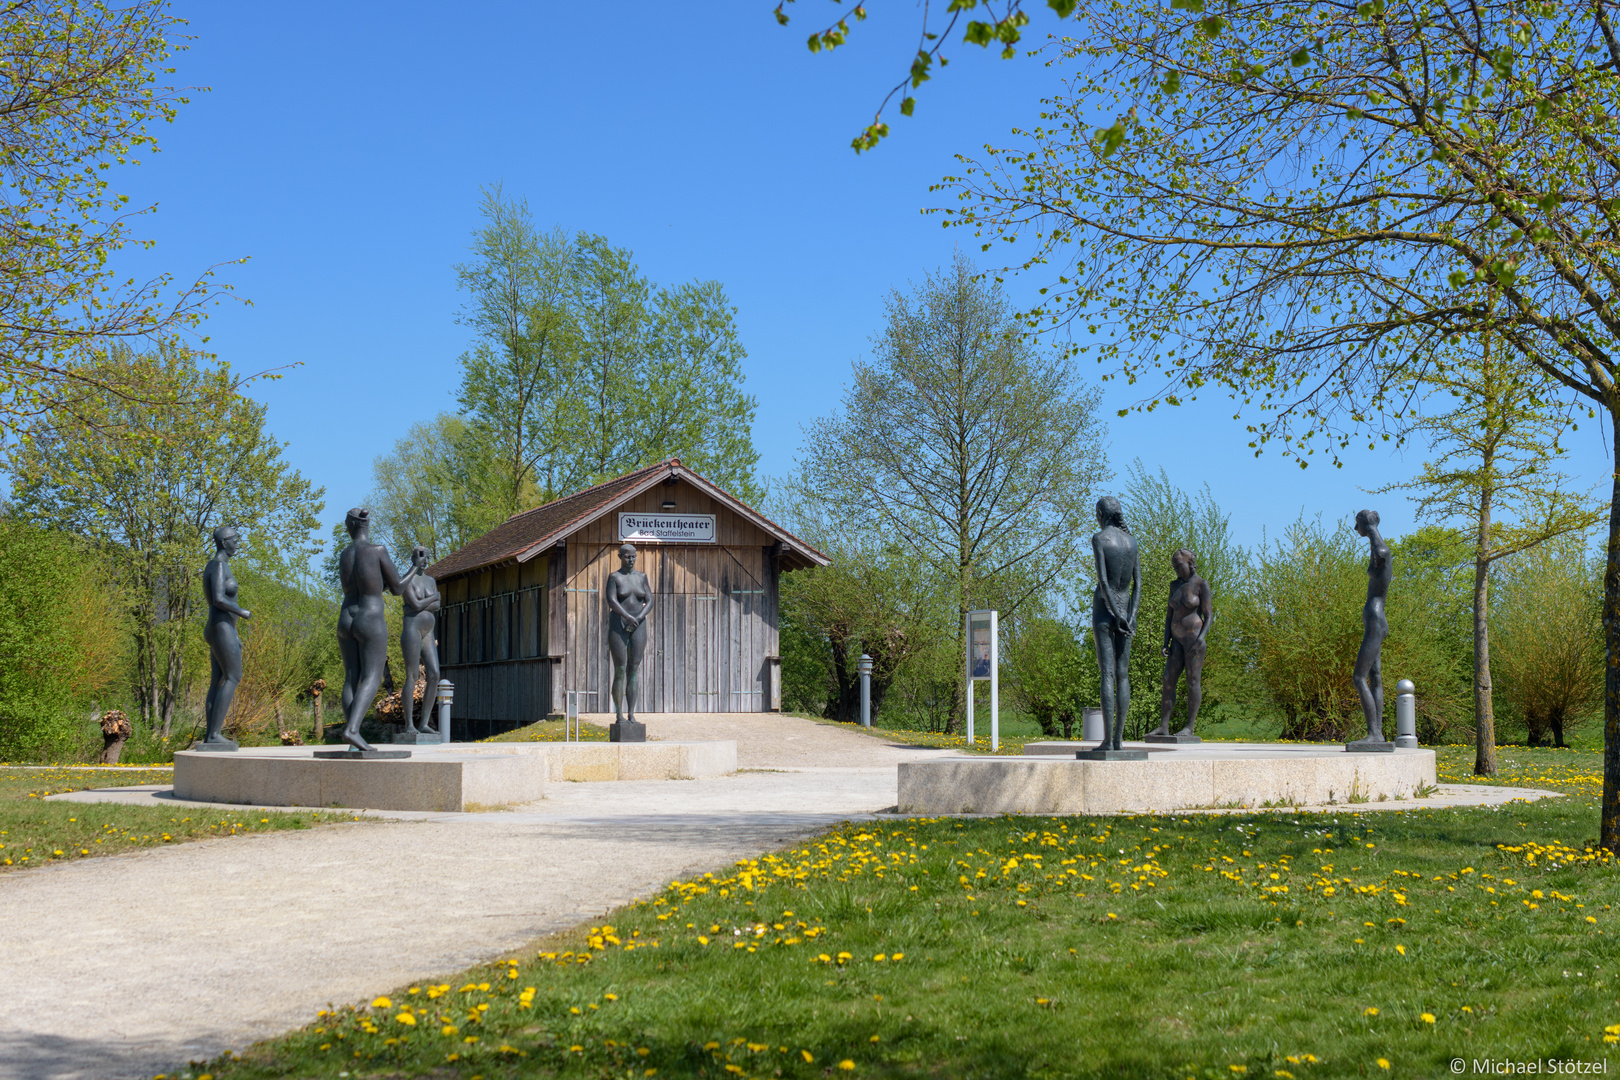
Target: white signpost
(983, 664)
(667, 528)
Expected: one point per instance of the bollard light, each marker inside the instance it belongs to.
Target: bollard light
(1406, 715)
(864, 666)
(445, 695)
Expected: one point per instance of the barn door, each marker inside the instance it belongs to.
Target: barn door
(742, 632)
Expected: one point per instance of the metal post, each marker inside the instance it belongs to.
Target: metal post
(995, 685)
(1405, 714)
(446, 694)
(865, 668)
(967, 634)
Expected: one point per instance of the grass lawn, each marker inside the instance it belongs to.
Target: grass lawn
(1251, 945)
(34, 832)
(551, 731)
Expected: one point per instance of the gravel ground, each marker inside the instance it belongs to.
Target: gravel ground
(131, 965)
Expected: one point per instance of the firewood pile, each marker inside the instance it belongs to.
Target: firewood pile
(391, 709)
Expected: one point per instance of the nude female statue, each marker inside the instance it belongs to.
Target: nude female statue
(1113, 615)
(1187, 620)
(630, 597)
(418, 642)
(1369, 673)
(224, 645)
(365, 570)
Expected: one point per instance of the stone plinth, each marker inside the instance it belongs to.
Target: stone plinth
(1184, 777)
(442, 778)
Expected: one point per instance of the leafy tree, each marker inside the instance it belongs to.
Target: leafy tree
(871, 600)
(964, 442)
(152, 503)
(1306, 205)
(80, 95)
(1549, 636)
(435, 489)
(62, 639)
(1496, 447)
(584, 369)
(1052, 672)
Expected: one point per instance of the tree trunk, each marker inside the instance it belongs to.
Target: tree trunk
(320, 723)
(1555, 717)
(1484, 715)
(1609, 827)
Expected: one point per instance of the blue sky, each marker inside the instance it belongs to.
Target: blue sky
(341, 147)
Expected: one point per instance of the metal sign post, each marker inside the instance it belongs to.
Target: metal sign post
(983, 665)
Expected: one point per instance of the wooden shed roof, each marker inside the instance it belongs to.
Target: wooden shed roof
(531, 532)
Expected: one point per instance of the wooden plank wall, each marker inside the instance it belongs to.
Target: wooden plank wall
(714, 612)
(493, 639)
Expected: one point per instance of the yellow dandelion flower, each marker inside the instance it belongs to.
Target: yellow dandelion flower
(807, 1055)
(1427, 1018)
(846, 1065)
(405, 1018)
(382, 1003)
(1383, 1063)
(1369, 1011)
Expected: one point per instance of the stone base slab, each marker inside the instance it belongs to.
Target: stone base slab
(437, 778)
(1207, 776)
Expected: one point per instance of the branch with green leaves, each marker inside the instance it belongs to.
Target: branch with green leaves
(1004, 26)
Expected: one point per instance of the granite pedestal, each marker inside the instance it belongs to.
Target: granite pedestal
(1049, 779)
(436, 777)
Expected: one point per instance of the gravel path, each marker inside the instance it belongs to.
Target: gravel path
(129, 965)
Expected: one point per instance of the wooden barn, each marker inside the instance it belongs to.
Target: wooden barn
(525, 619)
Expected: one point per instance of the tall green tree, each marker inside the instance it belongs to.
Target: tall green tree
(81, 92)
(436, 488)
(1496, 446)
(1549, 631)
(976, 449)
(584, 369)
(1306, 204)
(203, 459)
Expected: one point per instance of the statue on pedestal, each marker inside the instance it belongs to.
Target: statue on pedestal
(1113, 615)
(418, 640)
(366, 570)
(1368, 675)
(224, 644)
(629, 598)
(1187, 620)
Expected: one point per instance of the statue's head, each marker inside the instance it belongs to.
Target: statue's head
(227, 539)
(627, 555)
(1366, 521)
(419, 557)
(356, 521)
(1109, 512)
(1184, 562)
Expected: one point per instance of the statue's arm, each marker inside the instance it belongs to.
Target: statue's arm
(1136, 591)
(430, 593)
(1102, 576)
(214, 589)
(1207, 609)
(615, 601)
(648, 607)
(392, 581)
(1169, 621)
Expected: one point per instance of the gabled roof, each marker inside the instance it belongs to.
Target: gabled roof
(524, 535)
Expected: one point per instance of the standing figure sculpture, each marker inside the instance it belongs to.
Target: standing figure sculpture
(418, 641)
(1113, 615)
(1187, 620)
(224, 644)
(1369, 673)
(629, 598)
(365, 570)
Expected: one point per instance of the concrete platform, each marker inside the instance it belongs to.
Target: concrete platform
(437, 778)
(1204, 776)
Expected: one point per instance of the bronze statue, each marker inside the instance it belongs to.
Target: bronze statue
(224, 644)
(630, 598)
(418, 640)
(1187, 620)
(1368, 675)
(1113, 615)
(365, 570)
